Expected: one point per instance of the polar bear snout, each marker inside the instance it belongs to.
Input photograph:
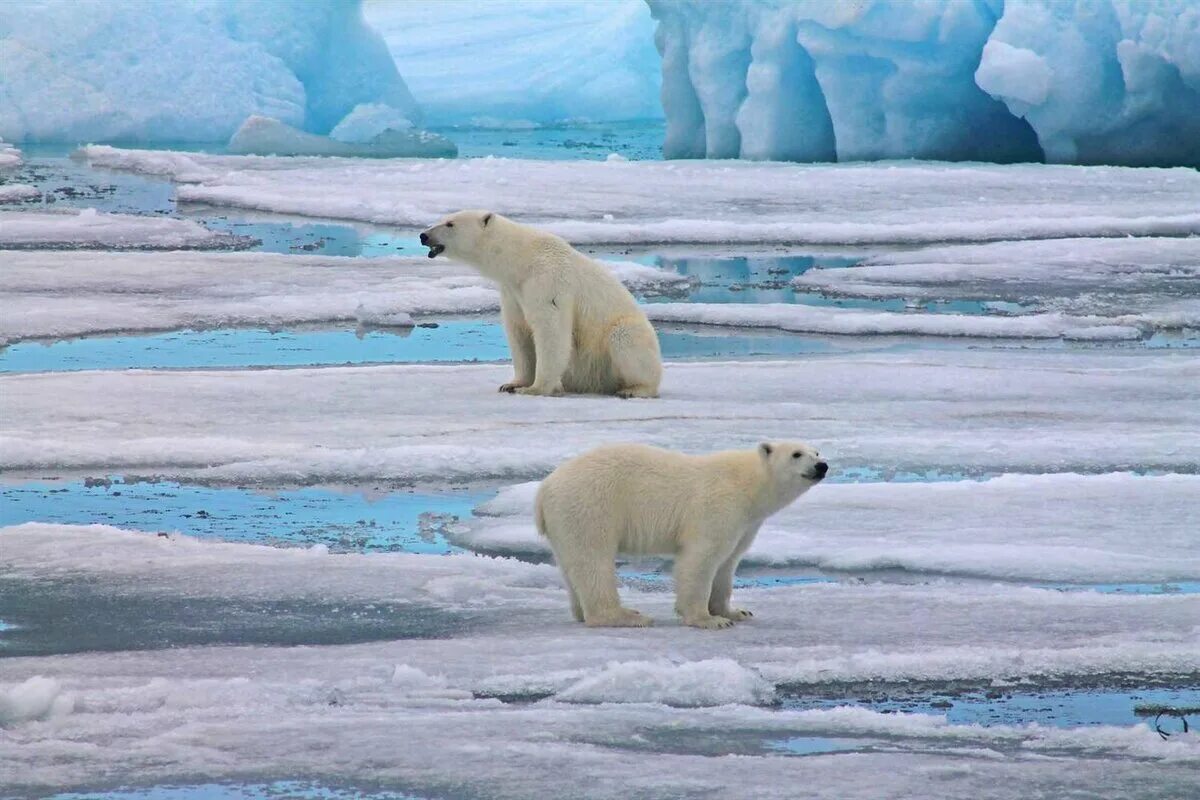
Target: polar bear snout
(819, 470)
(435, 247)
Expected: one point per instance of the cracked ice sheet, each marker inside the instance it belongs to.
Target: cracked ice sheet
(57, 294)
(1107, 528)
(727, 201)
(92, 229)
(952, 411)
(67, 294)
(335, 712)
(1110, 276)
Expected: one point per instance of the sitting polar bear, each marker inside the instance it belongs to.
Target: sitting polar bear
(571, 326)
(705, 510)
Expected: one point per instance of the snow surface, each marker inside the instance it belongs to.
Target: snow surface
(1109, 528)
(524, 62)
(57, 294)
(17, 192)
(90, 228)
(950, 410)
(1111, 81)
(809, 319)
(1020, 270)
(37, 698)
(335, 711)
(118, 72)
(265, 136)
(634, 202)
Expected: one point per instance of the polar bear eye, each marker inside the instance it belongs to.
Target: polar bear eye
(797, 454)
(449, 224)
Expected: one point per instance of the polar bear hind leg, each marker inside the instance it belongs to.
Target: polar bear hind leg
(591, 580)
(636, 363)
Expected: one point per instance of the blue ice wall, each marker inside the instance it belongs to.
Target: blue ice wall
(186, 70)
(1068, 81)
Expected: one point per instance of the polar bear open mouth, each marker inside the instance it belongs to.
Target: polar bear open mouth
(436, 249)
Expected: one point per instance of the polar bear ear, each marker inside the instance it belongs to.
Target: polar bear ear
(487, 218)
(765, 449)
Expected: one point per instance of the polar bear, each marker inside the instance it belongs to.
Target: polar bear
(571, 325)
(703, 509)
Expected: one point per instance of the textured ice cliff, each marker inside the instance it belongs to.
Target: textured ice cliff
(104, 70)
(1093, 81)
(524, 61)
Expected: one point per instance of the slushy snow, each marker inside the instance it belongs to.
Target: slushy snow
(1107, 82)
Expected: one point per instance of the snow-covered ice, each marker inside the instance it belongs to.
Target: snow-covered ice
(809, 319)
(37, 698)
(1110, 81)
(951, 411)
(1108, 528)
(230, 711)
(91, 229)
(118, 73)
(733, 202)
(17, 192)
(56, 294)
(1023, 270)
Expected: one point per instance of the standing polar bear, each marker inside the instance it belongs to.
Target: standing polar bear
(571, 325)
(705, 510)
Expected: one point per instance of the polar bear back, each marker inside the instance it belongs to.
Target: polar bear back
(646, 500)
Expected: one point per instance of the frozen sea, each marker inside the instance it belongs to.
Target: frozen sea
(267, 524)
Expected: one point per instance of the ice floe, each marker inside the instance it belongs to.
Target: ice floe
(57, 294)
(728, 202)
(266, 136)
(809, 319)
(952, 411)
(92, 229)
(154, 716)
(17, 192)
(1158, 278)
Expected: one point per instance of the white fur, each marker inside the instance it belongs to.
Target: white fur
(705, 510)
(570, 324)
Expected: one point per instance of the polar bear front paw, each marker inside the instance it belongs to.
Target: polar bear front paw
(735, 614)
(511, 388)
(709, 623)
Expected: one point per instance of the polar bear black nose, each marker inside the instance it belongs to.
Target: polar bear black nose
(424, 238)
(820, 468)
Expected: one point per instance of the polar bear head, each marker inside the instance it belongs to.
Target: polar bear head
(795, 466)
(461, 235)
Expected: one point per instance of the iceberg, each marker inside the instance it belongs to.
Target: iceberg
(116, 71)
(1106, 82)
(265, 136)
(9, 155)
(530, 61)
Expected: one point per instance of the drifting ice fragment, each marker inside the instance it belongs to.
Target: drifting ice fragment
(266, 136)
